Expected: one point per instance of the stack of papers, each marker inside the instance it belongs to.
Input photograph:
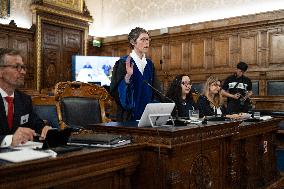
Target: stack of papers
(17, 156)
(265, 117)
(25, 152)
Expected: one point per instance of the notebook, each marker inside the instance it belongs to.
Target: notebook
(99, 140)
(17, 156)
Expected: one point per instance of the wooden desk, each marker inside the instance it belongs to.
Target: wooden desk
(217, 155)
(89, 168)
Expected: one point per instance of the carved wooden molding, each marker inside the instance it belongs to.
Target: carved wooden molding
(201, 173)
(86, 90)
(73, 5)
(60, 17)
(38, 7)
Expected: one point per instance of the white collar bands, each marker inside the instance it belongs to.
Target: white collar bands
(140, 63)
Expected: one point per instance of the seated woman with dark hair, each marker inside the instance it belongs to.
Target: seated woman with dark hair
(180, 92)
(210, 102)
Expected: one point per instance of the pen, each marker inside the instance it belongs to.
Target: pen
(37, 135)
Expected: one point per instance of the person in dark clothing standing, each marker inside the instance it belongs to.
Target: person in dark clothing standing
(238, 90)
(180, 92)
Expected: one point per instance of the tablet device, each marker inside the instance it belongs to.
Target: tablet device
(55, 138)
(155, 109)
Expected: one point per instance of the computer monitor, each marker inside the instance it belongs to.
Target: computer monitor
(162, 112)
(93, 69)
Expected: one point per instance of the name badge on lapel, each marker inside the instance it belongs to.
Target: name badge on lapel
(24, 119)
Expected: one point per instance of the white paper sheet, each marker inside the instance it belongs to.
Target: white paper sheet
(24, 155)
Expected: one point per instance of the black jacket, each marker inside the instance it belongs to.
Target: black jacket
(24, 115)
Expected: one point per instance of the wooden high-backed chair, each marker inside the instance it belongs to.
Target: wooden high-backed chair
(81, 104)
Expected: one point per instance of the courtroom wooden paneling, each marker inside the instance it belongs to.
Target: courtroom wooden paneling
(269, 103)
(253, 155)
(215, 47)
(58, 46)
(215, 155)
(22, 39)
(96, 168)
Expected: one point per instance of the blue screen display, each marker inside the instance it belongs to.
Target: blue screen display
(93, 69)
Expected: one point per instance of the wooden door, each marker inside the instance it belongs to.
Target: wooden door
(58, 45)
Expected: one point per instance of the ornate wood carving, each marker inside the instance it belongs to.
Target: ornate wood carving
(61, 32)
(243, 156)
(200, 173)
(72, 5)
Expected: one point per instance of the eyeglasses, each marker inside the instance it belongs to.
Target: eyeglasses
(186, 83)
(18, 67)
(144, 39)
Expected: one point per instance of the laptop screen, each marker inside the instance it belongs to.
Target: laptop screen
(155, 109)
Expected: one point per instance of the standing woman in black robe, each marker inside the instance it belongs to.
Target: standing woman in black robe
(180, 92)
(132, 76)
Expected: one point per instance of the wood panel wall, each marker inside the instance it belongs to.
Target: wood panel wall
(215, 47)
(12, 36)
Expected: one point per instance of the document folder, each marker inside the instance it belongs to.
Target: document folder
(99, 140)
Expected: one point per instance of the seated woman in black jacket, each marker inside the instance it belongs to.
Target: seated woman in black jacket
(210, 102)
(180, 92)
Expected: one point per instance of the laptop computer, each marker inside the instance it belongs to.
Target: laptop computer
(156, 114)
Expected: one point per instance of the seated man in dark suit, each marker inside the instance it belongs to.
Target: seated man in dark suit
(18, 122)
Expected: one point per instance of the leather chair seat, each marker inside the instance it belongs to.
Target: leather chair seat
(80, 111)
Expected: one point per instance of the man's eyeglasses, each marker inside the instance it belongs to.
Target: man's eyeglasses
(18, 67)
(186, 83)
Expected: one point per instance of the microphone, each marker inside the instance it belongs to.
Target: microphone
(162, 95)
(157, 91)
(215, 111)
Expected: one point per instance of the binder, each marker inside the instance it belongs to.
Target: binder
(100, 140)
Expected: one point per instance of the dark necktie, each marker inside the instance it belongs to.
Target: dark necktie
(10, 110)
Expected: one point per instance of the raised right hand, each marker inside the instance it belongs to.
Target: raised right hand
(129, 67)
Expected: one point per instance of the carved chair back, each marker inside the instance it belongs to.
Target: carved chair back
(81, 104)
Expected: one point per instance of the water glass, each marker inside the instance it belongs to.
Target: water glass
(194, 115)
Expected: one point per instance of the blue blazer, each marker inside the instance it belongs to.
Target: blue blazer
(24, 115)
